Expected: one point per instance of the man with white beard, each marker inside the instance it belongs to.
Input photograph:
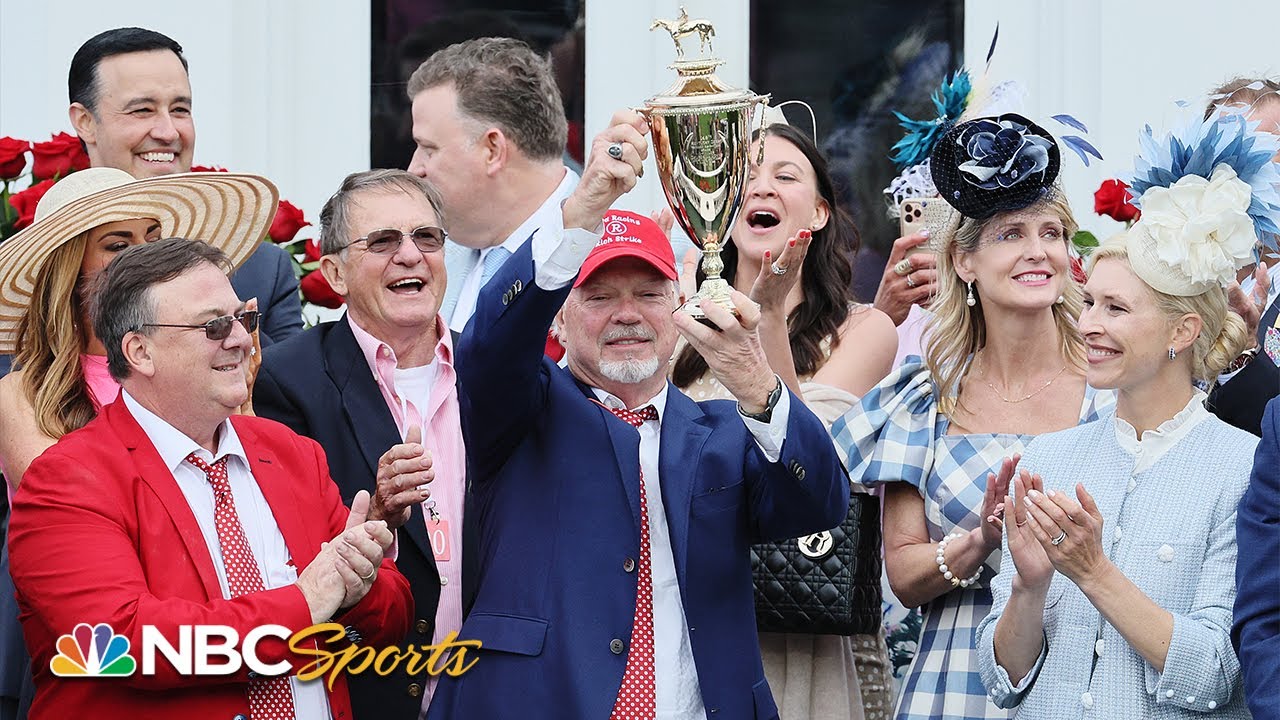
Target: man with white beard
(614, 512)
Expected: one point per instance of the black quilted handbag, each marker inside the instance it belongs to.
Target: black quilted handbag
(827, 583)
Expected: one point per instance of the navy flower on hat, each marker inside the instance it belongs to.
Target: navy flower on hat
(991, 165)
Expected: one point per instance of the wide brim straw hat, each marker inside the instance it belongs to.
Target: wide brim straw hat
(230, 211)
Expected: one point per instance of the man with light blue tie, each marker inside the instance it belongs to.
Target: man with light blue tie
(490, 132)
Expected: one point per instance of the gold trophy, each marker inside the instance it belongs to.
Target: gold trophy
(702, 144)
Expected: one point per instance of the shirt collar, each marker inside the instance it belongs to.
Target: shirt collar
(659, 401)
(539, 218)
(1168, 433)
(382, 358)
(174, 446)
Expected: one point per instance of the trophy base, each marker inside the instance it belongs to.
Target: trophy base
(692, 309)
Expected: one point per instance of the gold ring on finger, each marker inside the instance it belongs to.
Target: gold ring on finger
(369, 577)
(904, 267)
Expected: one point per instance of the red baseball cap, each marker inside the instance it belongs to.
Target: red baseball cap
(627, 234)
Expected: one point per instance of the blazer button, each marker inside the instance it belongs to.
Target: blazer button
(422, 626)
(415, 689)
(615, 646)
(253, 675)
(506, 298)
(518, 287)
(798, 470)
(628, 565)
(240, 717)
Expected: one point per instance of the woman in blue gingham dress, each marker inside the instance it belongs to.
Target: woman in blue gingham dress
(1003, 361)
(897, 434)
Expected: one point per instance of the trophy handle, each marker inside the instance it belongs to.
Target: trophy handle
(763, 110)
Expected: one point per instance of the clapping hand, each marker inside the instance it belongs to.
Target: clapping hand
(1069, 532)
(404, 472)
(1035, 572)
(993, 502)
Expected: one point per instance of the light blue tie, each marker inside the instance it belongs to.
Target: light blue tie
(493, 261)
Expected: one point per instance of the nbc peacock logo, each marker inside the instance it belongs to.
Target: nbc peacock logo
(92, 651)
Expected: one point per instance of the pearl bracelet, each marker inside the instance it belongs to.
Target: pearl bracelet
(946, 571)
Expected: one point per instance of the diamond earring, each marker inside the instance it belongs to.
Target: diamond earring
(969, 299)
(1172, 355)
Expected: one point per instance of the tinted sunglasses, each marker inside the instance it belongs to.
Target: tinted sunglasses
(385, 241)
(219, 328)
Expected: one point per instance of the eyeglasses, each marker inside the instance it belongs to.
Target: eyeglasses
(220, 327)
(385, 241)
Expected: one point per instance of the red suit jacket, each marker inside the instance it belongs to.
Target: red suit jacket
(101, 532)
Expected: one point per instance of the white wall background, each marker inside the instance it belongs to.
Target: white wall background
(1117, 65)
(279, 88)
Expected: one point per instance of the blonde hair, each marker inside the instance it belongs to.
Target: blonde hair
(957, 331)
(1223, 334)
(50, 341)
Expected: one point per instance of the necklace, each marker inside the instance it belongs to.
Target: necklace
(1024, 398)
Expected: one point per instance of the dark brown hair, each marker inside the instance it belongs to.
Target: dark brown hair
(826, 278)
(121, 300)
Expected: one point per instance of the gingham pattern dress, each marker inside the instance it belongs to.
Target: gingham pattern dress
(897, 434)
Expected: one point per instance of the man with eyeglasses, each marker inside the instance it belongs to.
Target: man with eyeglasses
(377, 390)
(165, 511)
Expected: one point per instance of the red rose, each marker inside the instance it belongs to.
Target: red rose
(207, 168)
(311, 251)
(316, 290)
(58, 157)
(287, 223)
(1077, 270)
(1112, 199)
(13, 157)
(25, 203)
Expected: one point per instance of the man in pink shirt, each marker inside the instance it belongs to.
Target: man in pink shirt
(377, 390)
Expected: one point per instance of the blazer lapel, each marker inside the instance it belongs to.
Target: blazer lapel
(372, 425)
(279, 490)
(680, 447)
(626, 452)
(159, 478)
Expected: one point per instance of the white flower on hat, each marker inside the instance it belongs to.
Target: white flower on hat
(1201, 228)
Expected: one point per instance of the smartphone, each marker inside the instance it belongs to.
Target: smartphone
(933, 214)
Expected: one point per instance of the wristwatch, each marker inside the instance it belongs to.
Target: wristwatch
(767, 414)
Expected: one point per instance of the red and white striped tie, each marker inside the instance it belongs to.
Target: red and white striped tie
(269, 698)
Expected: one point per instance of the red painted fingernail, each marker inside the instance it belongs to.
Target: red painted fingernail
(793, 243)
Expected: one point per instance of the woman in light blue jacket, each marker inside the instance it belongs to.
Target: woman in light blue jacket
(1114, 598)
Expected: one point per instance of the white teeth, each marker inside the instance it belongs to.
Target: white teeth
(1099, 352)
(1033, 277)
(158, 157)
(406, 283)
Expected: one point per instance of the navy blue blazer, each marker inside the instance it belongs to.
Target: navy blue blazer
(320, 385)
(268, 276)
(556, 482)
(1255, 629)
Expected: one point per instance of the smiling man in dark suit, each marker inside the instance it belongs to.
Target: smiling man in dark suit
(377, 386)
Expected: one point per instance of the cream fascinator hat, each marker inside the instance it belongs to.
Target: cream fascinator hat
(227, 210)
(1208, 198)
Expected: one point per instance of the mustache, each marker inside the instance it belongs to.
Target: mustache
(629, 332)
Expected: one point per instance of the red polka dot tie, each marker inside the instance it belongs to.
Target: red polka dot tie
(636, 699)
(269, 698)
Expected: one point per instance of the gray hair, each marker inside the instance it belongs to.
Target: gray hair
(121, 300)
(501, 82)
(334, 224)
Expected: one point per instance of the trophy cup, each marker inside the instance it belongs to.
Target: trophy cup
(702, 145)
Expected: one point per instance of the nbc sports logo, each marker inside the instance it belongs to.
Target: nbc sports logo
(92, 651)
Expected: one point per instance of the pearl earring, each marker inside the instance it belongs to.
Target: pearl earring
(1060, 300)
(970, 300)
(1172, 355)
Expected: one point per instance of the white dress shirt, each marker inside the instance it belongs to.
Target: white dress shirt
(265, 540)
(1153, 444)
(676, 691)
(546, 219)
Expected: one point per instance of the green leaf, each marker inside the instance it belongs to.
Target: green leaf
(1084, 241)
